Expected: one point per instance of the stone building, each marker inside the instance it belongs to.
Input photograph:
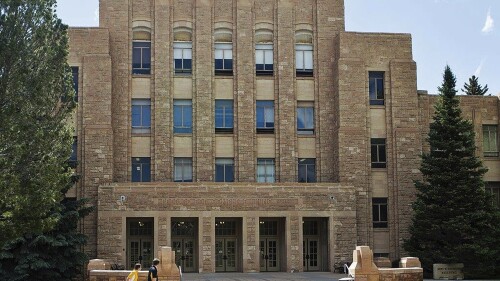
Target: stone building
(249, 135)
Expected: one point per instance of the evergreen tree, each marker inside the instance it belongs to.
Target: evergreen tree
(474, 88)
(36, 101)
(454, 218)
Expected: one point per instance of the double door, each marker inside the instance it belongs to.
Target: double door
(226, 252)
(184, 254)
(269, 254)
(140, 251)
(311, 254)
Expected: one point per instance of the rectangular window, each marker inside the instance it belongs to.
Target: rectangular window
(141, 57)
(224, 170)
(223, 58)
(307, 170)
(305, 119)
(183, 57)
(304, 59)
(265, 170)
(264, 59)
(74, 72)
(265, 116)
(183, 169)
(74, 153)
(490, 140)
(494, 189)
(141, 116)
(141, 169)
(378, 152)
(224, 116)
(379, 208)
(376, 87)
(183, 110)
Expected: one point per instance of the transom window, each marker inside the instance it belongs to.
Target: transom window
(183, 169)
(376, 87)
(490, 140)
(224, 116)
(183, 119)
(141, 116)
(268, 228)
(378, 153)
(224, 170)
(141, 169)
(265, 170)
(265, 116)
(225, 227)
(305, 119)
(379, 208)
(307, 170)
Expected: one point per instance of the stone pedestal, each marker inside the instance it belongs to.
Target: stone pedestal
(382, 262)
(167, 269)
(363, 267)
(409, 262)
(98, 264)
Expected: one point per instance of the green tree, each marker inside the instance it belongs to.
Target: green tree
(36, 100)
(54, 255)
(474, 88)
(454, 218)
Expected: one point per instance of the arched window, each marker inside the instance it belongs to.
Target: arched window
(141, 48)
(303, 53)
(264, 59)
(183, 50)
(223, 51)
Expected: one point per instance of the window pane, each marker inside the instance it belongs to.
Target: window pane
(311, 173)
(259, 57)
(228, 64)
(380, 89)
(374, 152)
(308, 59)
(187, 64)
(136, 58)
(219, 173)
(146, 57)
(268, 57)
(382, 155)
(146, 116)
(219, 54)
(136, 116)
(177, 53)
(299, 60)
(260, 117)
(229, 173)
(219, 64)
(187, 54)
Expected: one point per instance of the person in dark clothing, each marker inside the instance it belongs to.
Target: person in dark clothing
(153, 271)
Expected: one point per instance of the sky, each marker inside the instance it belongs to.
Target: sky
(464, 34)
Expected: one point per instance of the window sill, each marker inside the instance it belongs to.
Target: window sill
(141, 134)
(137, 75)
(377, 105)
(381, 229)
(306, 135)
(183, 134)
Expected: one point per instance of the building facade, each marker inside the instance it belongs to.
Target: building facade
(249, 135)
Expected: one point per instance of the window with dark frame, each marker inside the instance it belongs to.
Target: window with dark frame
(304, 60)
(141, 169)
(223, 58)
(376, 87)
(265, 170)
(224, 170)
(378, 153)
(141, 116)
(183, 116)
(141, 57)
(307, 170)
(74, 72)
(183, 57)
(183, 169)
(379, 209)
(264, 59)
(224, 116)
(73, 159)
(305, 119)
(490, 140)
(493, 188)
(265, 116)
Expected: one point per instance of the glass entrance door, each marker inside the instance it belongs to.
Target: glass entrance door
(184, 254)
(311, 254)
(140, 251)
(269, 257)
(225, 254)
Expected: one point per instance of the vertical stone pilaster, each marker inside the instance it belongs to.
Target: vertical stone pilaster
(294, 240)
(245, 107)
(285, 99)
(207, 242)
(161, 96)
(251, 261)
(203, 111)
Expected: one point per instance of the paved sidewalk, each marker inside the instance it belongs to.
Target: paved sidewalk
(267, 276)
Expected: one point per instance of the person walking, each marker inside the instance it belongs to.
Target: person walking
(153, 271)
(134, 275)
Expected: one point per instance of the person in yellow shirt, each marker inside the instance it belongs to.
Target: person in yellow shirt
(134, 275)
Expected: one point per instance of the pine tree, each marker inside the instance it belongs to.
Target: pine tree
(454, 219)
(474, 88)
(36, 101)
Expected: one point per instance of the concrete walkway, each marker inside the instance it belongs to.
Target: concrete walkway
(269, 276)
